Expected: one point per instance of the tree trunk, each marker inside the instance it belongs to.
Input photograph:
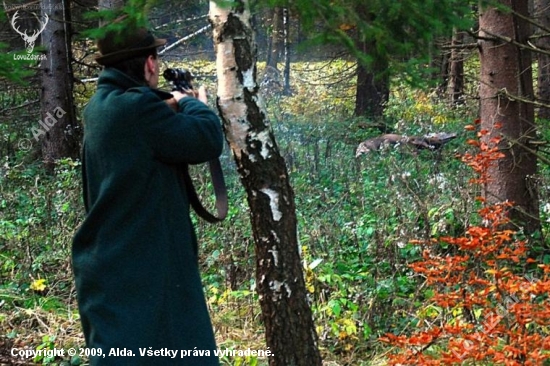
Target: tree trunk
(506, 77)
(290, 332)
(542, 16)
(110, 4)
(456, 70)
(276, 40)
(373, 89)
(59, 135)
(441, 66)
(286, 37)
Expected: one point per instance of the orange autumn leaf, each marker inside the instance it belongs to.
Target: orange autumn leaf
(346, 27)
(489, 311)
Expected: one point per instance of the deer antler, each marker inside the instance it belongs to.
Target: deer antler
(15, 28)
(36, 33)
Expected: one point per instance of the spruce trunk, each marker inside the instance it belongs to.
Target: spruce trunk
(506, 88)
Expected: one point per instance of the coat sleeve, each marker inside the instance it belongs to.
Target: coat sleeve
(193, 135)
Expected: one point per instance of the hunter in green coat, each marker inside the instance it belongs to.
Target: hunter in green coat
(135, 255)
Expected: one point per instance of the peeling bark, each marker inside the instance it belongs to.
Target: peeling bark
(290, 332)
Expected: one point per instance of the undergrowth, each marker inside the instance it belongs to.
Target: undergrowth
(356, 220)
(488, 297)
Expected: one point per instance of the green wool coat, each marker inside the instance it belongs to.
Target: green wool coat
(135, 255)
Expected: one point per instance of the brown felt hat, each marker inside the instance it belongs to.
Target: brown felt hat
(114, 48)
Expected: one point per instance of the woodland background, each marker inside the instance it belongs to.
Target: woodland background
(409, 257)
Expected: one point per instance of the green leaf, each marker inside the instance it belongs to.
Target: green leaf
(335, 307)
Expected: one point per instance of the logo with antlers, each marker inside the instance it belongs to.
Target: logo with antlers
(29, 40)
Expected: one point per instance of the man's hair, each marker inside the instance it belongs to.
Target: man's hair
(134, 67)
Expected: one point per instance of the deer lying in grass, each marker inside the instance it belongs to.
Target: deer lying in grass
(429, 142)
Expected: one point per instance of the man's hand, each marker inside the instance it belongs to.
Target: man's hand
(201, 95)
(173, 104)
(179, 95)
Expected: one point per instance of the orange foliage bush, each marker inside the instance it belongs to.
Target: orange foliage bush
(491, 309)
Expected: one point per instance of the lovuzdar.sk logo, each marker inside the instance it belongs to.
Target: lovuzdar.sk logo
(29, 39)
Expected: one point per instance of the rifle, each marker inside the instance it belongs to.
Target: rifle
(181, 81)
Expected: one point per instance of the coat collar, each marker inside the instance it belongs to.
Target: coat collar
(113, 78)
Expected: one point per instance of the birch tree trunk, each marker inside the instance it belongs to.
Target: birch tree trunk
(59, 132)
(290, 332)
(506, 81)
